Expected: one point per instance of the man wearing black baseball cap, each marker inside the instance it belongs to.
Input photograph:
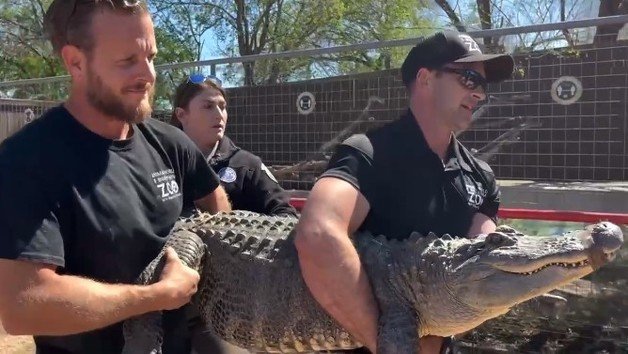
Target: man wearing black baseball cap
(453, 47)
(411, 175)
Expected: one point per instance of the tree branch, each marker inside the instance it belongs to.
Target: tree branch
(451, 14)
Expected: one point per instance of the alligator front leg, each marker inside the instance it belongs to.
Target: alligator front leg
(398, 322)
(398, 331)
(144, 334)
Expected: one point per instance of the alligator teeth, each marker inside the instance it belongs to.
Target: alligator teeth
(560, 264)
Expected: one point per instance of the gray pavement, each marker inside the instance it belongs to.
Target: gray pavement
(603, 197)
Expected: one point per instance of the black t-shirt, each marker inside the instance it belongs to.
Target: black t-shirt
(407, 185)
(92, 206)
(248, 182)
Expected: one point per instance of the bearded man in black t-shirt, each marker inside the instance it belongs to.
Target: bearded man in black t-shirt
(90, 191)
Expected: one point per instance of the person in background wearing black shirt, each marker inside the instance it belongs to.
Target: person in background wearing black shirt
(409, 175)
(200, 110)
(90, 190)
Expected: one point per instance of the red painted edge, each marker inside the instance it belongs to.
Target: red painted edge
(547, 215)
(298, 203)
(563, 215)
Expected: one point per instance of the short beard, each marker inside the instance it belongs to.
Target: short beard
(104, 99)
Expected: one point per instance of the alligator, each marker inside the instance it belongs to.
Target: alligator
(252, 294)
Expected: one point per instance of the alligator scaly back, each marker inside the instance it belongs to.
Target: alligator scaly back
(251, 286)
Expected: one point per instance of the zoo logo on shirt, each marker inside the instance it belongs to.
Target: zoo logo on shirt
(476, 192)
(166, 184)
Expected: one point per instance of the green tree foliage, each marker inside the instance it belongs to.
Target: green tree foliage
(239, 28)
(252, 27)
(180, 26)
(171, 50)
(375, 20)
(24, 52)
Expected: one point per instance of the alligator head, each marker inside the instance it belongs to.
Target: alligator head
(455, 284)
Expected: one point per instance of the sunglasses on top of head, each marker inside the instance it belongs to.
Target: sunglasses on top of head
(200, 78)
(469, 78)
(73, 4)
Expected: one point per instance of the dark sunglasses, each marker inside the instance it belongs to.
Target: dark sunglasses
(469, 78)
(200, 78)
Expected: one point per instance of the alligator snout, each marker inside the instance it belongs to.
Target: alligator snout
(607, 236)
(605, 239)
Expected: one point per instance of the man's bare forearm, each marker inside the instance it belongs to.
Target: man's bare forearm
(66, 305)
(214, 202)
(480, 224)
(337, 280)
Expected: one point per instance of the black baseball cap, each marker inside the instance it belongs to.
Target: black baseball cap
(453, 47)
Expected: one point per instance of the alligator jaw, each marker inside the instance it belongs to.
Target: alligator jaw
(571, 265)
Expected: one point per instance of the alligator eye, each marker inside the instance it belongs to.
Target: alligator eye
(505, 229)
(499, 239)
(494, 237)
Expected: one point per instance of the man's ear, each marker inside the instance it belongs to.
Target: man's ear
(423, 77)
(74, 60)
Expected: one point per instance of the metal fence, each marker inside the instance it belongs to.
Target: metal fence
(561, 117)
(15, 114)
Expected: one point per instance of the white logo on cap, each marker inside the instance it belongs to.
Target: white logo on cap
(472, 46)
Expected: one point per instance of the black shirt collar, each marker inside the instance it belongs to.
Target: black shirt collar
(226, 149)
(89, 138)
(458, 156)
(412, 133)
